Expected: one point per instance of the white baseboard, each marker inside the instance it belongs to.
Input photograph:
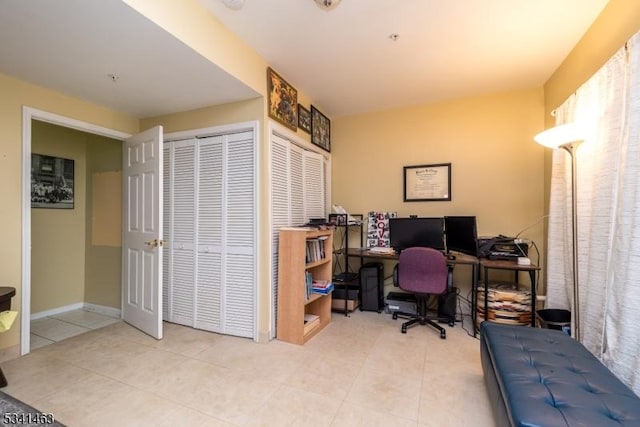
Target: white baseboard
(57, 310)
(100, 309)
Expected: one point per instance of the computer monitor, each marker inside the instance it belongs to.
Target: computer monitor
(461, 234)
(410, 232)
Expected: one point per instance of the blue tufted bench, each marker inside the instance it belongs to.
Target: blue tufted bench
(542, 377)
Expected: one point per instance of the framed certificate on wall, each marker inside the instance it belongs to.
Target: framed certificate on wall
(427, 183)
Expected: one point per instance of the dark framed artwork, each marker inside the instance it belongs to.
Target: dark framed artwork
(283, 100)
(304, 118)
(320, 129)
(427, 183)
(51, 182)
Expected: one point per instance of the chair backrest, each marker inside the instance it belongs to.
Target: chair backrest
(422, 270)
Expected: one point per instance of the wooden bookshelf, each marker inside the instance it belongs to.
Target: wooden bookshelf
(294, 302)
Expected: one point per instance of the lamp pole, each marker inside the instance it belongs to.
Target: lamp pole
(575, 325)
(569, 136)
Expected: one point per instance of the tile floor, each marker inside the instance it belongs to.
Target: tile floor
(359, 371)
(58, 327)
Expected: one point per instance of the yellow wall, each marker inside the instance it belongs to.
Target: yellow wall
(103, 245)
(15, 95)
(237, 112)
(497, 169)
(57, 235)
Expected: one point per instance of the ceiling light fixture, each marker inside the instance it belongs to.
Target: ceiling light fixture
(394, 37)
(233, 4)
(327, 4)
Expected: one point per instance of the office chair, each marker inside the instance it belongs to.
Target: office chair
(423, 272)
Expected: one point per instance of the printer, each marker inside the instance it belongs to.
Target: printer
(501, 247)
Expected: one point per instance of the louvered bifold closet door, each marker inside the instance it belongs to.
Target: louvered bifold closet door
(166, 227)
(240, 304)
(313, 185)
(280, 215)
(210, 244)
(296, 186)
(181, 241)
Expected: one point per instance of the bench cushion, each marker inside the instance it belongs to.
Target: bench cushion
(542, 377)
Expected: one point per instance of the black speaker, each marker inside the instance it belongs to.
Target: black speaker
(447, 305)
(372, 287)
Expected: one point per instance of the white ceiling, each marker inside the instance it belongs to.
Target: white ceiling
(342, 59)
(72, 46)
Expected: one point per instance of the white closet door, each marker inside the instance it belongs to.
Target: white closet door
(183, 227)
(166, 228)
(313, 185)
(240, 303)
(297, 194)
(210, 220)
(296, 186)
(280, 213)
(211, 203)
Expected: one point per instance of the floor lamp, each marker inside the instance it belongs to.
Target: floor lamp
(568, 137)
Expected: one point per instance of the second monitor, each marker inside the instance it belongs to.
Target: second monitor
(409, 232)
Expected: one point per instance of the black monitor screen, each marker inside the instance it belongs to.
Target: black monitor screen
(461, 234)
(410, 232)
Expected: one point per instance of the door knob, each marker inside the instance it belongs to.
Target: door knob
(154, 243)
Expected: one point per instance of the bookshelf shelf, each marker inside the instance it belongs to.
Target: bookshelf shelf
(299, 317)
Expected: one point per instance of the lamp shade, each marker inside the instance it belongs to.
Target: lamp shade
(560, 135)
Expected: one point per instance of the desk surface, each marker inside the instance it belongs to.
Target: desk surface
(366, 253)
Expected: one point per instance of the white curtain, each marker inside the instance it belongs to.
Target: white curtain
(608, 199)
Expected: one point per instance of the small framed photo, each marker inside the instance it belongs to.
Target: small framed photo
(304, 118)
(427, 183)
(283, 100)
(51, 182)
(320, 129)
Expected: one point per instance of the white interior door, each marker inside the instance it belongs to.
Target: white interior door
(142, 225)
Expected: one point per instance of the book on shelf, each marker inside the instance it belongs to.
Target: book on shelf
(308, 282)
(322, 287)
(310, 322)
(315, 249)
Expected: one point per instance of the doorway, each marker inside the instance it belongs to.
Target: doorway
(29, 115)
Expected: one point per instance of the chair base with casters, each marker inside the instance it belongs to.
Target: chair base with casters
(422, 318)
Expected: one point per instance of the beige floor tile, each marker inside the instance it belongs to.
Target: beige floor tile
(55, 330)
(85, 318)
(350, 415)
(294, 407)
(396, 395)
(359, 371)
(35, 376)
(327, 376)
(273, 361)
(38, 342)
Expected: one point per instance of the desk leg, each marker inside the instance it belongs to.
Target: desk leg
(486, 294)
(474, 299)
(532, 275)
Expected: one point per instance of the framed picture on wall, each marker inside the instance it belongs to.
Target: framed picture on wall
(51, 182)
(283, 100)
(427, 183)
(320, 129)
(304, 118)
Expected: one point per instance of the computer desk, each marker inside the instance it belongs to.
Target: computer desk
(512, 265)
(474, 262)
(460, 259)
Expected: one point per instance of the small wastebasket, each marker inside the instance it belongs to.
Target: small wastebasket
(554, 318)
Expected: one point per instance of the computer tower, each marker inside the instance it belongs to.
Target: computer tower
(447, 305)
(372, 287)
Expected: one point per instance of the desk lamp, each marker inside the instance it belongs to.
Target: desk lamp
(568, 137)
